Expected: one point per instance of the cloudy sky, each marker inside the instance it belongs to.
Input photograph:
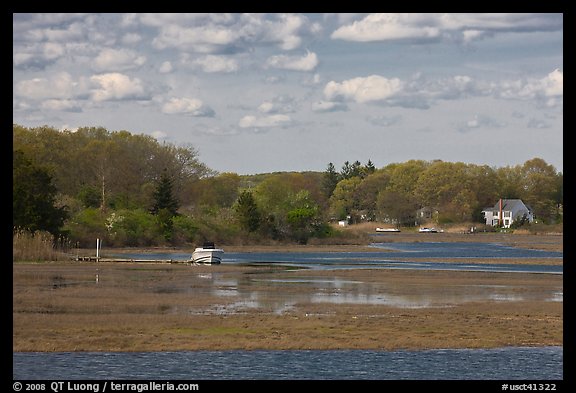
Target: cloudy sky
(256, 93)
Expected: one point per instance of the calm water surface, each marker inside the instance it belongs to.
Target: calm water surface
(411, 253)
(543, 363)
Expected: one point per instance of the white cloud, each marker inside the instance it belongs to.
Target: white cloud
(421, 92)
(160, 135)
(212, 63)
(60, 85)
(307, 62)
(264, 121)
(131, 38)
(68, 32)
(37, 55)
(363, 89)
(287, 30)
(203, 39)
(328, 106)
(381, 27)
(479, 121)
(279, 104)
(61, 105)
(227, 33)
(165, 68)
(425, 27)
(116, 86)
(538, 124)
(187, 106)
(548, 90)
(553, 84)
(383, 121)
(117, 60)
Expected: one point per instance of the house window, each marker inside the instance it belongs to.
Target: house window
(507, 214)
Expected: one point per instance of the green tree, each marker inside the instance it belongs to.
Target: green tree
(368, 190)
(540, 188)
(34, 198)
(90, 196)
(247, 211)
(330, 179)
(344, 200)
(303, 217)
(368, 169)
(165, 206)
(404, 176)
(164, 198)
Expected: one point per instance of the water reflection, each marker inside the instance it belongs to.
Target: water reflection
(283, 295)
(284, 292)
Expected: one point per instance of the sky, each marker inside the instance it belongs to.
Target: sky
(258, 93)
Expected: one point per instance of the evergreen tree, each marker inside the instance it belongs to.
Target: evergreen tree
(247, 211)
(164, 197)
(329, 180)
(369, 168)
(165, 206)
(34, 197)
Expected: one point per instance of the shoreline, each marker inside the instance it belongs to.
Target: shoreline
(546, 242)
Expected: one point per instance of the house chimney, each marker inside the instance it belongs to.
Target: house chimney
(500, 213)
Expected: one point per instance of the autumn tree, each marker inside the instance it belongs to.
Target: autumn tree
(396, 207)
(540, 187)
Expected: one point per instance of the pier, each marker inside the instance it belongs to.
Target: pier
(127, 260)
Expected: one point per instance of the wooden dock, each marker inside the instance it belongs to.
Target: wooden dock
(127, 260)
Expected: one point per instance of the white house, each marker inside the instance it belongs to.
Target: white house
(506, 211)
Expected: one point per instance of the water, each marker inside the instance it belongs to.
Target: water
(520, 363)
(411, 254)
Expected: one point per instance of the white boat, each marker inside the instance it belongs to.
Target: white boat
(428, 230)
(387, 230)
(207, 254)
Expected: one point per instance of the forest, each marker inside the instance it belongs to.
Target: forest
(133, 191)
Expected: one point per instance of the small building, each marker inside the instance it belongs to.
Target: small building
(426, 213)
(506, 211)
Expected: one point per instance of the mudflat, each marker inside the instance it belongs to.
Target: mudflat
(88, 306)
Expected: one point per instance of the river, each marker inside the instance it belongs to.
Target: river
(519, 363)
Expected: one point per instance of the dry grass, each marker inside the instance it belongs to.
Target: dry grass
(61, 307)
(37, 246)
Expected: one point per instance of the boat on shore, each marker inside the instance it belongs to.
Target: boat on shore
(428, 230)
(387, 230)
(208, 254)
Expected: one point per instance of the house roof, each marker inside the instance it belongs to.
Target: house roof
(507, 204)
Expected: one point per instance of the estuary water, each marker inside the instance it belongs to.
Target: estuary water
(513, 363)
(411, 255)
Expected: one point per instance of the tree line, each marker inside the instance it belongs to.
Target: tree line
(132, 190)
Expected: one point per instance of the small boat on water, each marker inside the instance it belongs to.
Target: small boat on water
(428, 230)
(208, 254)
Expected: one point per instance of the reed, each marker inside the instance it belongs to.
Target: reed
(37, 246)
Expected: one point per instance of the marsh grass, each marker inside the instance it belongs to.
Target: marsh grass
(60, 307)
(38, 246)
